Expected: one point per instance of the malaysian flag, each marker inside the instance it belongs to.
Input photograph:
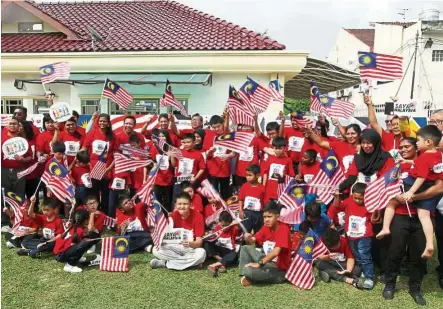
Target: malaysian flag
(159, 222)
(283, 184)
(123, 163)
(99, 169)
(380, 66)
(274, 89)
(175, 153)
(29, 170)
(117, 122)
(293, 198)
(117, 94)
(330, 106)
(115, 254)
(302, 121)
(235, 141)
(300, 272)
(145, 191)
(51, 72)
(168, 99)
(16, 203)
(108, 221)
(56, 178)
(241, 112)
(131, 151)
(329, 177)
(256, 95)
(380, 192)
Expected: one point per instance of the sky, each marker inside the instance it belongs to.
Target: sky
(309, 25)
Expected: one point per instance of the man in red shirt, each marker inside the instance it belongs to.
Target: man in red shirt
(188, 252)
(196, 123)
(128, 129)
(270, 265)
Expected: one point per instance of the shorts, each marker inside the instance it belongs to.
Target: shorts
(428, 204)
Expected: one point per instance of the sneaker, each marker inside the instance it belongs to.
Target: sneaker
(324, 276)
(35, 254)
(213, 271)
(368, 284)
(5, 228)
(96, 261)
(156, 263)
(222, 269)
(23, 252)
(82, 259)
(91, 250)
(72, 269)
(148, 249)
(244, 281)
(9, 245)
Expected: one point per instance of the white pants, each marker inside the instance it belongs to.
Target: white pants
(177, 257)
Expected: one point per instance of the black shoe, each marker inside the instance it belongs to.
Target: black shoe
(388, 293)
(35, 254)
(418, 298)
(23, 252)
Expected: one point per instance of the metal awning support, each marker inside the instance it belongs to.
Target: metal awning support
(204, 79)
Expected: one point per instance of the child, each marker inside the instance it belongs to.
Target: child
(338, 264)
(118, 185)
(192, 167)
(251, 198)
(309, 166)
(51, 225)
(98, 218)
(196, 200)
(138, 175)
(131, 221)
(298, 236)
(72, 246)
(425, 171)
(276, 168)
(269, 266)
(26, 229)
(223, 249)
(265, 142)
(249, 157)
(319, 221)
(189, 252)
(80, 173)
(358, 228)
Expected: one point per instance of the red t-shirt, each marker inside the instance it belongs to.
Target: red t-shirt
(81, 131)
(11, 162)
(137, 176)
(99, 221)
(50, 229)
(345, 153)
(27, 221)
(249, 157)
(194, 222)
(402, 209)
(295, 141)
(63, 244)
(174, 139)
(210, 209)
(191, 164)
(337, 214)
(280, 238)
(216, 167)
(424, 164)
(358, 220)
(120, 181)
(276, 167)
(197, 203)
(137, 220)
(95, 142)
(309, 171)
(81, 176)
(389, 141)
(252, 196)
(310, 145)
(123, 139)
(263, 142)
(73, 144)
(44, 142)
(165, 174)
(227, 237)
(343, 252)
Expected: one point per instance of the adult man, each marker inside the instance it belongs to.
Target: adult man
(196, 123)
(21, 113)
(128, 130)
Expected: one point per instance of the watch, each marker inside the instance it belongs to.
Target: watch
(261, 263)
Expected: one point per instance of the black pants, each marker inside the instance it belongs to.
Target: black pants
(73, 254)
(164, 196)
(380, 248)
(31, 186)
(139, 241)
(221, 185)
(81, 193)
(332, 268)
(101, 189)
(238, 182)
(32, 243)
(406, 232)
(229, 257)
(10, 183)
(17, 241)
(254, 220)
(439, 235)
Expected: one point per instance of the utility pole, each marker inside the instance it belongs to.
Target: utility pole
(415, 62)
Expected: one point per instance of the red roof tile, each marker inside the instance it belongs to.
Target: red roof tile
(137, 25)
(364, 35)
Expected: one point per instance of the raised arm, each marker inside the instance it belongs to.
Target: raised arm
(281, 131)
(172, 124)
(318, 140)
(371, 115)
(56, 133)
(341, 130)
(256, 126)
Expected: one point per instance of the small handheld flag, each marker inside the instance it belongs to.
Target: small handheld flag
(117, 94)
(274, 88)
(51, 72)
(99, 169)
(168, 99)
(330, 106)
(115, 254)
(380, 66)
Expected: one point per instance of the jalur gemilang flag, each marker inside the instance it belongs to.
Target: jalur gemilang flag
(274, 88)
(236, 141)
(380, 66)
(117, 94)
(330, 106)
(51, 72)
(115, 254)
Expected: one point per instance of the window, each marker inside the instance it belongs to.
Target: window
(9, 105)
(30, 27)
(138, 106)
(437, 55)
(182, 101)
(89, 106)
(38, 104)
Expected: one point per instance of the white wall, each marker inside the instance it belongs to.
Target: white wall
(14, 14)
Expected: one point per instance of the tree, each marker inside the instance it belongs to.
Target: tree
(301, 105)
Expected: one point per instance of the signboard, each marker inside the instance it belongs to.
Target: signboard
(15, 146)
(60, 112)
(405, 107)
(176, 236)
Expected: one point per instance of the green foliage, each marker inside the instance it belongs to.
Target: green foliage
(296, 105)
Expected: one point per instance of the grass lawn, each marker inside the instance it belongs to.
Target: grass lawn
(42, 283)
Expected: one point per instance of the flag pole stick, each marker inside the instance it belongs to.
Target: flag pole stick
(407, 205)
(232, 223)
(328, 251)
(4, 200)
(38, 186)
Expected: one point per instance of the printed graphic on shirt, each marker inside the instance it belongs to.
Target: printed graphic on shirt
(268, 246)
(225, 242)
(366, 179)
(356, 226)
(395, 154)
(308, 177)
(186, 165)
(295, 143)
(118, 184)
(72, 148)
(276, 171)
(339, 257)
(163, 161)
(86, 179)
(47, 233)
(134, 226)
(98, 146)
(252, 203)
(248, 155)
(341, 218)
(438, 168)
(347, 161)
(220, 151)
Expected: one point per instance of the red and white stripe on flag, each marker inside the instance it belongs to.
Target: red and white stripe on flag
(121, 97)
(159, 226)
(325, 187)
(18, 214)
(388, 67)
(27, 171)
(98, 171)
(339, 108)
(260, 99)
(236, 141)
(58, 70)
(169, 100)
(378, 195)
(117, 122)
(123, 163)
(108, 261)
(109, 221)
(57, 185)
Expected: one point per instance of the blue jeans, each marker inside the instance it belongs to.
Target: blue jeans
(361, 250)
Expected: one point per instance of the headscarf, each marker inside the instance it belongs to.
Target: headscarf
(202, 134)
(370, 163)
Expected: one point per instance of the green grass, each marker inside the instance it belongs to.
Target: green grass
(42, 283)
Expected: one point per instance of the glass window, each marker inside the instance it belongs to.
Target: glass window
(9, 105)
(138, 106)
(30, 27)
(437, 55)
(38, 104)
(90, 106)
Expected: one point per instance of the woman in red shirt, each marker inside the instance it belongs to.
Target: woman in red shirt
(71, 137)
(95, 142)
